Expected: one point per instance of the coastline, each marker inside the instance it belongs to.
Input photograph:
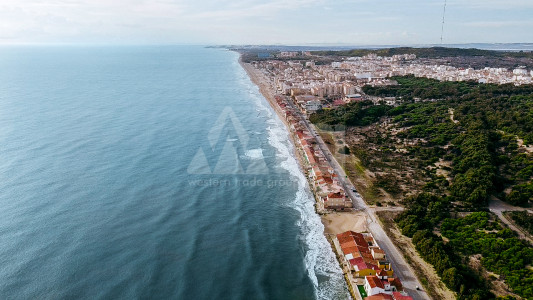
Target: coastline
(360, 219)
(266, 89)
(333, 222)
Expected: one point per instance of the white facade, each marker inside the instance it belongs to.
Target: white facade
(372, 291)
(520, 71)
(312, 106)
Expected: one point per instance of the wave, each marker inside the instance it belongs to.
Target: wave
(254, 153)
(320, 261)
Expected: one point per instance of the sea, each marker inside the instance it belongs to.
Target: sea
(150, 172)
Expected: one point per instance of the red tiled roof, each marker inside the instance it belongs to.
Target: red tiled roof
(360, 240)
(378, 250)
(397, 283)
(349, 243)
(349, 250)
(382, 273)
(374, 281)
(366, 252)
(335, 195)
(362, 266)
(380, 296)
(344, 239)
(346, 234)
(356, 260)
(370, 261)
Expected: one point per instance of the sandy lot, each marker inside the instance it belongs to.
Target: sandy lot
(339, 222)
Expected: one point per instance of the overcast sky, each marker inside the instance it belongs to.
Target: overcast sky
(295, 22)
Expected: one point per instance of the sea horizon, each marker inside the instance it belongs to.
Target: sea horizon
(514, 46)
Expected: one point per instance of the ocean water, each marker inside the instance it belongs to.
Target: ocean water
(150, 172)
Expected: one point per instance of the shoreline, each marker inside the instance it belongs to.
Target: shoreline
(359, 217)
(333, 222)
(266, 90)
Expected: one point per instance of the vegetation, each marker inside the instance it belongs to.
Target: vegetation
(523, 219)
(344, 150)
(476, 234)
(433, 52)
(416, 222)
(444, 157)
(480, 142)
(501, 251)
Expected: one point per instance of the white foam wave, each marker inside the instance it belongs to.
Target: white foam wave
(319, 259)
(254, 153)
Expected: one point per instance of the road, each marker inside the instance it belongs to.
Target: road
(498, 207)
(400, 266)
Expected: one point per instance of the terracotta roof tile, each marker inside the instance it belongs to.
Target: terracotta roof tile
(374, 281)
(380, 296)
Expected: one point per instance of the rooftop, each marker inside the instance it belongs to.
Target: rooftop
(374, 281)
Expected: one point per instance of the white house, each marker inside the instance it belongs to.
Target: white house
(374, 285)
(313, 106)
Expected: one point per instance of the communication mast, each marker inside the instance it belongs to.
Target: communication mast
(442, 29)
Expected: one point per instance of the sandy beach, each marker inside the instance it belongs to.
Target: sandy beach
(338, 222)
(265, 87)
(334, 222)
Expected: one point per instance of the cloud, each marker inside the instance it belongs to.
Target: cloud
(257, 21)
(498, 24)
(260, 9)
(492, 4)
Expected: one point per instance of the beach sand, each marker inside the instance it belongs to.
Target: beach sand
(265, 87)
(335, 222)
(339, 222)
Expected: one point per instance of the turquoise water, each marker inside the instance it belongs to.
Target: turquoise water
(150, 172)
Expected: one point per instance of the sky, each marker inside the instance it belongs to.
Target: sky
(289, 22)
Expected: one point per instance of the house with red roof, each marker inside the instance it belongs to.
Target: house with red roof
(374, 285)
(335, 201)
(378, 284)
(396, 284)
(394, 296)
(364, 269)
(379, 297)
(377, 253)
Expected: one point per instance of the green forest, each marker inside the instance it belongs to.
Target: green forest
(433, 52)
(480, 130)
(523, 219)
